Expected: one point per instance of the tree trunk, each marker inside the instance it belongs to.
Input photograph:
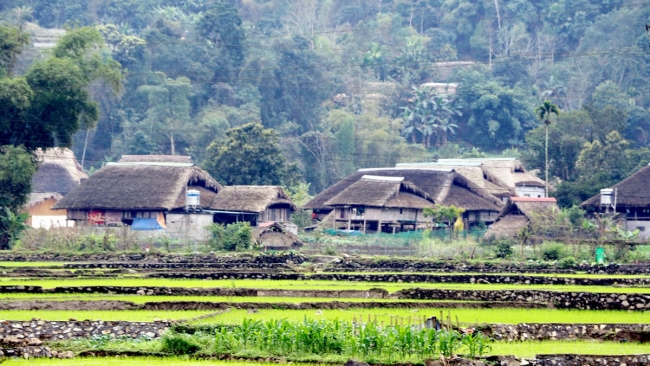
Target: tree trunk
(171, 139)
(496, 5)
(546, 159)
(83, 155)
(444, 138)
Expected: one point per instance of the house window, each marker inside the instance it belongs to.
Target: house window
(527, 195)
(361, 211)
(401, 211)
(640, 228)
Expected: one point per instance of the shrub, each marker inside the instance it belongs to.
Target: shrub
(503, 249)
(567, 262)
(330, 250)
(233, 237)
(553, 252)
(179, 344)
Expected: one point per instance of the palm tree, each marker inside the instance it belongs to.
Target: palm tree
(544, 113)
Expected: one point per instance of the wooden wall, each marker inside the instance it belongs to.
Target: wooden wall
(43, 208)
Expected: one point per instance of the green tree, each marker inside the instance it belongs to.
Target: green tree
(567, 137)
(17, 167)
(12, 43)
(221, 26)
(345, 149)
(544, 113)
(169, 109)
(251, 155)
(44, 108)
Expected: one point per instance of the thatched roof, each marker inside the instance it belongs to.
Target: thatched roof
(436, 183)
(507, 227)
(250, 198)
(504, 173)
(58, 171)
(275, 236)
(528, 206)
(379, 191)
(633, 191)
(139, 187)
(156, 159)
(517, 214)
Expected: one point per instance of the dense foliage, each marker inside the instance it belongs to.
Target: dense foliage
(344, 84)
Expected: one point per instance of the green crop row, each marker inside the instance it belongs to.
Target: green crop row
(306, 285)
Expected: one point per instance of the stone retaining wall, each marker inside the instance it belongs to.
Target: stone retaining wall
(356, 264)
(561, 300)
(412, 278)
(58, 330)
(583, 360)
(538, 332)
(257, 258)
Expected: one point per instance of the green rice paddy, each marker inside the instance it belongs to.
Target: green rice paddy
(106, 315)
(307, 285)
(467, 316)
(232, 299)
(31, 264)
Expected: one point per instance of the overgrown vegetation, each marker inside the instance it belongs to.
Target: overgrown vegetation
(231, 237)
(324, 337)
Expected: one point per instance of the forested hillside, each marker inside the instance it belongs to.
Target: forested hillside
(347, 84)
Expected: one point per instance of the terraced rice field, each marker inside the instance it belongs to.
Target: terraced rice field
(221, 315)
(307, 285)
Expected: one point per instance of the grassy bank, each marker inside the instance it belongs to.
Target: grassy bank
(133, 361)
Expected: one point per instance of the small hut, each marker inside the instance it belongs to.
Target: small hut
(273, 236)
(517, 215)
(58, 173)
(253, 204)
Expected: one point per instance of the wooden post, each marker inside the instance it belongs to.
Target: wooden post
(364, 226)
(379, 227)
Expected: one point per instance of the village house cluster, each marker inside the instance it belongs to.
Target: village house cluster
(171, 195)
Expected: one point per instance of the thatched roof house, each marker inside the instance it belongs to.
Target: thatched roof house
(140, 188)
(632, 198)
(517, 214)
(395, 196)
(145, 196)
(501, 177)
(382, 191)
(255, 204)
(272, 236)
(445, 187)
(632, 192)
(58, 173)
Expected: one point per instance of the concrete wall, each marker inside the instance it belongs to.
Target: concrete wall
(528, 191)
(188, 227)
(634, 225)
